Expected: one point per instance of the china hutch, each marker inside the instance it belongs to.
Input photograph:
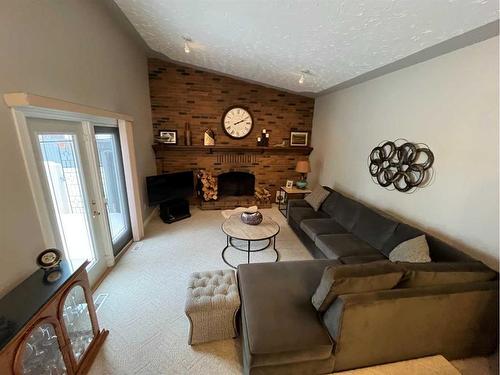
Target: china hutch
(50, 327)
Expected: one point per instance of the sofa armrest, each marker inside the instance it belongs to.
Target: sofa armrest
(456, 321)
(297, 203)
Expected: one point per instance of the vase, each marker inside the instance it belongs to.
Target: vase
(251, 218)
(187, 134)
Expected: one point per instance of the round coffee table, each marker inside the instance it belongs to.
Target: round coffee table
(235, 229)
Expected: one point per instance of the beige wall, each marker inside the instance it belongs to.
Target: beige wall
(450, 103)
(72, 50)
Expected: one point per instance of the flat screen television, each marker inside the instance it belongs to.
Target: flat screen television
(166, 187)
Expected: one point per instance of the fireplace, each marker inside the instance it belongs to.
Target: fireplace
(235, 184)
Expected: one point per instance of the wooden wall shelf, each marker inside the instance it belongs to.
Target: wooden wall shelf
(234, 149)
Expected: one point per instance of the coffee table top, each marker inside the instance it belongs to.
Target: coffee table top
(237, 229)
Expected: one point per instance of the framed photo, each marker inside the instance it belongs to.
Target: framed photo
(280, 196)
(168, 136)
(289, 184)
(299, 139)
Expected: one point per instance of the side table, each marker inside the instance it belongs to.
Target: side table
(295, 192)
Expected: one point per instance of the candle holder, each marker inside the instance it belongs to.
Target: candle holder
(263, 139)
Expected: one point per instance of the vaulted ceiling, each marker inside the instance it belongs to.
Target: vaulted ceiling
(272, 41)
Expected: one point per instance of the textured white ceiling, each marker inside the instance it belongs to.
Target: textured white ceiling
(271, 41)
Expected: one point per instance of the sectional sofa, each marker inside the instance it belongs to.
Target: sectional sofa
(448, 306)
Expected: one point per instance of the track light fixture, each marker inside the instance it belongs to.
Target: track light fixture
(303, 74)
(187, 40)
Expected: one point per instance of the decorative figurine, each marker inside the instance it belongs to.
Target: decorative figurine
(209, 138)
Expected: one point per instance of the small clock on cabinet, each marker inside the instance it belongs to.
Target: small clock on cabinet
(237, 122)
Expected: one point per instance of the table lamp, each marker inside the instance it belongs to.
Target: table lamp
(302, 167)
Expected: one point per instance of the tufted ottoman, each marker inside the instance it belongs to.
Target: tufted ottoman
(211, 306)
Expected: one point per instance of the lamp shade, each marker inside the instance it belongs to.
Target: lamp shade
(303, 166)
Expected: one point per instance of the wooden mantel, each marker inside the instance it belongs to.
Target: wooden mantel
(233, 149)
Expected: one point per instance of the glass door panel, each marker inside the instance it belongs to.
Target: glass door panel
(113, 184)
(64, 181)
(77, 321)
(63, 161)
(42, 354)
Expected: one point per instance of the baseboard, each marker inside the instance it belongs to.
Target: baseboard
(150, 217)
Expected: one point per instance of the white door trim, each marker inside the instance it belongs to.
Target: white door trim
(61, 110)
(49, 237)
(131, 179)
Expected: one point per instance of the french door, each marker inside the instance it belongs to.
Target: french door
(113, 184)
(81, 174)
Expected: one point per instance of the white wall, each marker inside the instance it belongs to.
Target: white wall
(450, 103)
(72, 50)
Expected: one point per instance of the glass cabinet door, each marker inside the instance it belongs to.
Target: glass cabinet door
(77, 321)
(41, 354)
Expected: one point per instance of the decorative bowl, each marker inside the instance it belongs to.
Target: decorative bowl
(301, 184)
(251, 218)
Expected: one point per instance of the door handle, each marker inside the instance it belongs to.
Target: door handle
(95, 213)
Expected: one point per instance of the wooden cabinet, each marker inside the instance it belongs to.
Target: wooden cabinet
(60, 335)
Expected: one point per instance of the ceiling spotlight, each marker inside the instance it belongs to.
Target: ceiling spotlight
(187, 49)
(303, 74)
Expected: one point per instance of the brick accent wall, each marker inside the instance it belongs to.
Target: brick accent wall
(181, 94)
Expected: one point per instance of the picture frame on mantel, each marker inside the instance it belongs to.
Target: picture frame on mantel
(168, 137)
(299, 138)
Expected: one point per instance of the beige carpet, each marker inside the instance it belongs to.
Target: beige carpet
(435, 365)
(144, 310)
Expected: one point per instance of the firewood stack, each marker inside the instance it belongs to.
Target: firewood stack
(209, 185)
(263, 195)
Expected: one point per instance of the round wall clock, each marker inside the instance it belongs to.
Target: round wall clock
(237, 122)
(49, 258)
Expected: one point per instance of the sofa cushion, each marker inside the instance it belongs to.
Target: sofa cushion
(346, 212)
(341, 245)
(317, 197)
(354, 278)
(431, 274)
(358, 259)
(330, 202)
(402, 233)
(298, 214)
(314, 227)
(373, 227)
(281, 323)
(415, 250)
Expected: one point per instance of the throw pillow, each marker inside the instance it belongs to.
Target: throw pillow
(443, 273)
(317, 197)
(354, 278)
(415, 250)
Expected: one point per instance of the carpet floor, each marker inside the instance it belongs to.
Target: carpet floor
(145, 295)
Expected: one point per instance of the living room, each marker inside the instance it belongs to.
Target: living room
(279, 187)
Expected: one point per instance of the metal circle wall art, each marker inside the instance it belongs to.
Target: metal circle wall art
(401, 165)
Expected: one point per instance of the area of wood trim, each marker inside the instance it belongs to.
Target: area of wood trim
(24, 99)
(236, 149)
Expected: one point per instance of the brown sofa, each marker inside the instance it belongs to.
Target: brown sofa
(448, 307)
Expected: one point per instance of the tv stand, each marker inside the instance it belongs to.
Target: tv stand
(174, 210)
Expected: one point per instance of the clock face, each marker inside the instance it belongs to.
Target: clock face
(237, 122)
